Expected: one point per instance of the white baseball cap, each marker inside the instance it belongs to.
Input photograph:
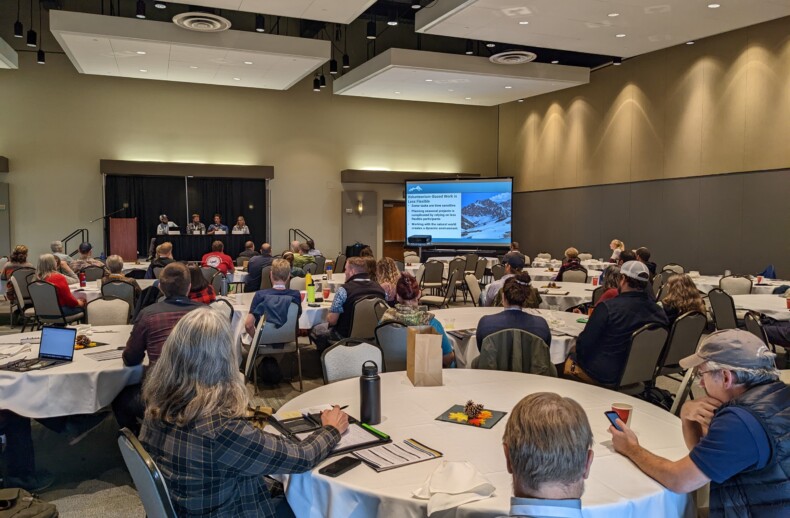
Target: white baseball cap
(635, 270)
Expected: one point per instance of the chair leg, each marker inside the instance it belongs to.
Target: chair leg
(299, 367)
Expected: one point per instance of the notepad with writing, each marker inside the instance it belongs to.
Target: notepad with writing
(352, 439)
(396, 454)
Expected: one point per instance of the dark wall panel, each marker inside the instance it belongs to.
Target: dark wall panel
(721, 216)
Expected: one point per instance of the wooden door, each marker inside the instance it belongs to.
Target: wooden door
(394, 229)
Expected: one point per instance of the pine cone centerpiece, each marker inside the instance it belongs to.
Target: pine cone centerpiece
(472, 409)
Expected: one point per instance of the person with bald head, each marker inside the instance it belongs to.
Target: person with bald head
(249, 250)
(256, 265)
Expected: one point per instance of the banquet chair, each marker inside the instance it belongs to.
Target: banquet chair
(223, 306)
(473, 285)
(157, 270)
(498, 271)
(320, 264)
(366, 315)
(23, 277)
(459, 263)
(119, 290)
(310, 268)
(217, 283)
(683, 339)
(136, 274)
(480, 268)
(418, 275)
(146, 476)
(579, 276)
(597, 294)
(344, 359)
(644, 352)
(723, 309)
(432, 276)
(45, 302)
(471, 263)
(107, 312)
(25, 307)
(658, 283)
(753, 322)
(585, 257)
(266, 280)
(673, 267)
(544, 255)
(410, 257)
(515, 350)
(208, 273)
(449, 291)
(271, 341)
(93, 273)
(527, 260)
(736, 285)
(240, 260)
(340, 264)
(400, 266)
(684, 390)
(391, 337)
(297, 283)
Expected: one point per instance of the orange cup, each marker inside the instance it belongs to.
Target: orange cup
(759, 279)
(788, 303)
(624, 412)
(595, 281)
(326, 293)
(303, 294)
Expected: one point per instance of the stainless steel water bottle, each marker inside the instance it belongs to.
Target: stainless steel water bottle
(370, 393)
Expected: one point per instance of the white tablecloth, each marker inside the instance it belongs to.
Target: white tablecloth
(705, 283)
(81, 387)
(560, 323)
(544, 275)
(92, 290)
(309, 318)
(129, 266)
(775, 306)
(578, 293)
(615, 488)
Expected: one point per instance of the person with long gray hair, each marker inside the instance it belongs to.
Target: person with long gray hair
(213, 460)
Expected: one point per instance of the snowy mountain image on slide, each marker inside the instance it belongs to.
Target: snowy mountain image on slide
(486, 217)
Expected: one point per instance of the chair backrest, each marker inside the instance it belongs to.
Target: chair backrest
(683, 337)
(585, 257)
(480, 267)
(597, 294)
(498, 271)
(471, 262)
(419, 274)
(107, 312)
(665, 275)
(755, 327)
(658, 282)
(344, 359)
(21, 276)
(410, 257)
(644, 352)
(515, 350)
(452, 285)
(224, 307)
(340, 264)
(45, 301)
(297, 283)
(216, 283)
(20, 300)
(367, 313)
(147, 478)
(736, 285)
(266, 280)
(157, 271)
(433, 272)
(400, 265)
(459, 263)
(267, 334)
(320, 263)
(683, 391)
(240, 260)
(119, 290)
(391, 337)
(93, 273)
(310, 268)
(208, 273)
(473, 285)
(574, 276)
(723, 309)
(544, 255)
(674, 267)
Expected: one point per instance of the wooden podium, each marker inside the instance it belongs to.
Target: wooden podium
(123, 238)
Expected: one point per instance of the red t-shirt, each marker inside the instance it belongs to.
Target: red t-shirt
(218, 260)
(65, 298)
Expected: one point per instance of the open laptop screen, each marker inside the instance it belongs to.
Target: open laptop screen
(57, 343)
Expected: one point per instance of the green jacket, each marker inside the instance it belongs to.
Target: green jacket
(517, 351)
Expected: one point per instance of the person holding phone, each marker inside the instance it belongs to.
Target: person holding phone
(213, 459)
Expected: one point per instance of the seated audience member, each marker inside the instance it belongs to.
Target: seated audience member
(295, 272)
(514, 295)
(47, 272)
(680, 295)
(151, 328)
(571, 262)
(617, 247)
(280, 274)
(65, 270)
(312, 249)
(778, 331)
(17, 260)
(57, 250)
(200, 289)
(388, 275)
(214, 461)
(164, 256)
(513, 262)
(514, 247)
(196, 227)
(249, 250)
(218, 259)
(643, 256)
(610, 282)
(366, 252)
(372, 267)
(737, 434)
(602, 348)
(294, 247)
(625, 256)
(302, 258)
(256, 265)
(18, 454)
(532, 300)
(86, 259)
(548, 448)
(217, 226)
(241, 226)
(409, 313)
(165, 225)
(115, 265)
(358, 286)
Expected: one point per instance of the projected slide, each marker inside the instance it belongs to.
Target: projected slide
(460, 212)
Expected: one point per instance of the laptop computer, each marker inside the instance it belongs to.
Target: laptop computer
(56, 348)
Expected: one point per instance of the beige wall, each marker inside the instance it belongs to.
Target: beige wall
(719, 106)
(55, 126)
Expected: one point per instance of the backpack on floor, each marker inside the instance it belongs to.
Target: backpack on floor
(18, 503)
(269, 371)
(656, 396)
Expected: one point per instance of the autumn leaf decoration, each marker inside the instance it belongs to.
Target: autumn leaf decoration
(458, 416)
(474, 414)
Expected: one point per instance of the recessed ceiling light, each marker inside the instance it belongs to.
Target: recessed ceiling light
(450, 90)
(248, 62)
(160, 5)
(468, 98)
(714, 6)
(237, 79)
(521, 100)
(555, 62)
(620, 35)
(613, 15)
(141, 52)
(508, 87)
(429, 80)
(689, 43)
(617, 61)
(490, 45)
(523, 22)
(397, 92)
(143, 70)
(193, 67)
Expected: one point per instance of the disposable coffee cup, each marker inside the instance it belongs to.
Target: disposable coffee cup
(788, 303)
(595, 281)
(759, 279)
(303, 294)
(624, 412)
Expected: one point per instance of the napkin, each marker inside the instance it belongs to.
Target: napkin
(453, 484)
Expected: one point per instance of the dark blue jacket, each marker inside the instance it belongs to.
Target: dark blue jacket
(512, 319)
(254, 268)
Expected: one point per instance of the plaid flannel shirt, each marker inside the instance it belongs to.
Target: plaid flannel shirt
(204, 296)
(215, 466)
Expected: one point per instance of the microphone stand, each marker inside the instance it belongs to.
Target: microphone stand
(105, 225)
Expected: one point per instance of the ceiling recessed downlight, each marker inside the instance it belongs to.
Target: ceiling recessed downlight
(237, 79)
(508, 87)
(714, 6)
(248, 62)
(143, 70)
(141, 52)
(468, 98)
(621, 35)
(523, 22)
(193, 67)
(689, 43)
(554, 62)
(613, 15)
(429, 80)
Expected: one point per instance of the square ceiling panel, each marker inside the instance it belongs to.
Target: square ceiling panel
(335, 11)
(415, 75)
(8, 56)
(622, 28)
(143, 49)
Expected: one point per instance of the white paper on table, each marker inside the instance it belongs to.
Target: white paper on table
(13, 349)
(453, 484)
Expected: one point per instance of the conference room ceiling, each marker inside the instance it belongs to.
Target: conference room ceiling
(8, 56)
(334, 11)
(415, 75)
(623, 28)
(143, 49)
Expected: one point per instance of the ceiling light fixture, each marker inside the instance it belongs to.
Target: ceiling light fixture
(333, 66)
(470, 48)
(143, 70)
(248, 62)
(316, 84)
(322, 81)
(617, 61)
(619, 35)
(397, 92)
(714, 6)
(32, 38)
(259, 23)
(508, 87)
(371, 30)
(193, 67)
(140, 9)
(237, 79)
(490, 45)
(41, 57)
(523, 22)
(141, 52)
(346, 62)
(468, 98)
(19, 30)
(160, 5)
(689, 43)
(613, 15)
(392, 21)
(521, 100)
(554, 62)
(415, 4)
(429, 80)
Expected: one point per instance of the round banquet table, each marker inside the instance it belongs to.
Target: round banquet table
(705, 283)
(83, 386)
(615, 487)
(774, 306)
(92, 291)
(310, 316)
(544, 275)
(577, 293)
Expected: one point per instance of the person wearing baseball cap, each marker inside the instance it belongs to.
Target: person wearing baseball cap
(738, 434)
(86, 259)
(514, 262)
(602, 348)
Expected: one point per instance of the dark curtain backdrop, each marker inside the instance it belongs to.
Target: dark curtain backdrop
(149, 196)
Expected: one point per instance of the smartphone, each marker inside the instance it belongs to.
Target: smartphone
(312, 305)
(613, 417)
(340, 466)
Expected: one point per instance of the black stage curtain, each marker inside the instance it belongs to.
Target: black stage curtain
(149, 196)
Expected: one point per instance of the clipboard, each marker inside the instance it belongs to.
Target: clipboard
(358, 436)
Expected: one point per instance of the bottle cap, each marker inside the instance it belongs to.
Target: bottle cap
(370, 370)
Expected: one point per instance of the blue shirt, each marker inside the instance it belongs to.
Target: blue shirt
(512, 319)
(736, 442)
(214, 227)
(260, 294)
(447, 347)
(540, 508)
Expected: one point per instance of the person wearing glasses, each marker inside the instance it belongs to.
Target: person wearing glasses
(738, 434)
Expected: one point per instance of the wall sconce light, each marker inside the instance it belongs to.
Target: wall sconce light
(360, 207)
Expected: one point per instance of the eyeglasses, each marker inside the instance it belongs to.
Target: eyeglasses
(700, 373)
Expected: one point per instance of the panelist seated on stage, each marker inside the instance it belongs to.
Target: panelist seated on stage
(196, 227)
(165, 225)
(164, 256)
(217, 226)
(241, 226)
(218, 258)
